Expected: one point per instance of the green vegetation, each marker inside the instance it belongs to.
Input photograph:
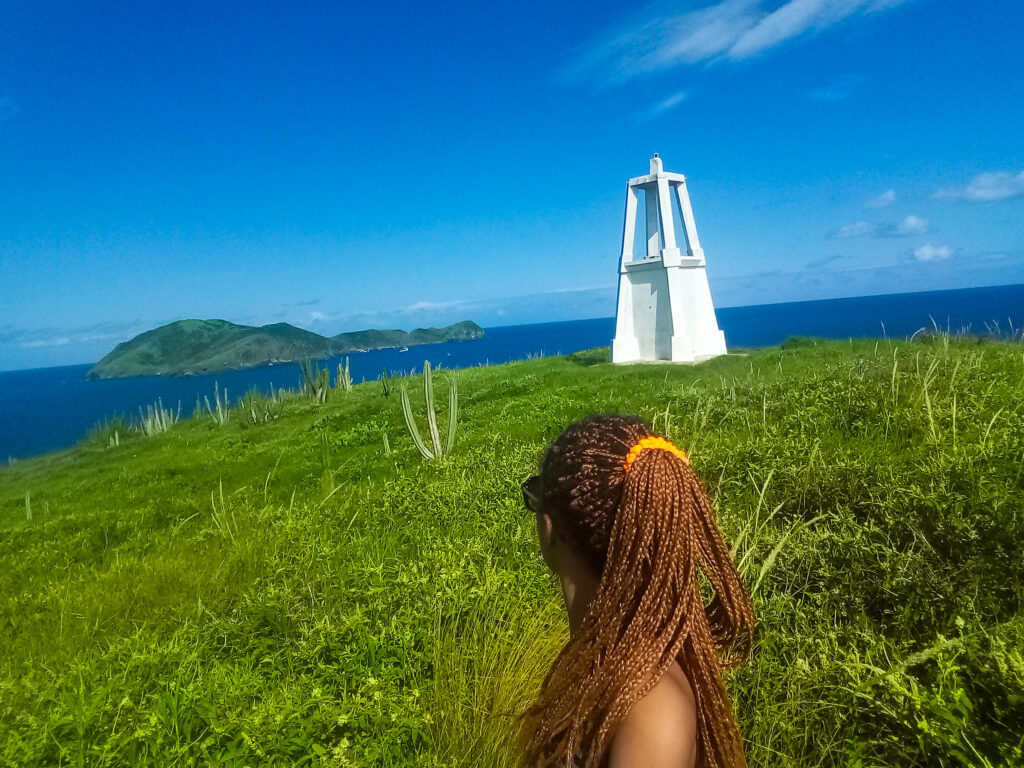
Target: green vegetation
(200, 597)
(156, 420)
(220, 411)
(316, 381)
(205, 346)
(343, 380)
(437, 449)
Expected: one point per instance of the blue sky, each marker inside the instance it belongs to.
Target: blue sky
(342, 165)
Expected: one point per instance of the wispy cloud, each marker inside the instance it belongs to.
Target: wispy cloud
(929, 252)
(825, 261)
(908, 227)
(59, 341)
(987, 187)
(855, 276)
(428, 306)
(663, 106)
(730, 30)
(886, 198)
(856, 229)
(41, 338)
(911, 225)
(83, 338)
(567, 304)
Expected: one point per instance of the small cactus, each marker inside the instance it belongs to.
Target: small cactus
(344, 377)
(437, 449)
(317, 381)
(220, 411)
(156, 419)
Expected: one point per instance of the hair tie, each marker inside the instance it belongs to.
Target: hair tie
(654, 442)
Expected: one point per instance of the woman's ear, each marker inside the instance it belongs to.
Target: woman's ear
(548, 540)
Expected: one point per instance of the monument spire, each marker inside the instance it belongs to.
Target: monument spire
(664, 309)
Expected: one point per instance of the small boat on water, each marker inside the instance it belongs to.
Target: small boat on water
(404, 349)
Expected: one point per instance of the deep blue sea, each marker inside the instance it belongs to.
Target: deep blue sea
(50, 408)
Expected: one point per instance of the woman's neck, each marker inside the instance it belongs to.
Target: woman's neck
(579, 585)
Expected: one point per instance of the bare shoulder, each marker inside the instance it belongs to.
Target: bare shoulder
(660, 730)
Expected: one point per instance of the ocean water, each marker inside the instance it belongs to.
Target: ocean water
(46, 409)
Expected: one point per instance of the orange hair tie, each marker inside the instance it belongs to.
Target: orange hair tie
(654, 442)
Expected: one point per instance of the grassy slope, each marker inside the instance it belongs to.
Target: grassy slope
(193, 597)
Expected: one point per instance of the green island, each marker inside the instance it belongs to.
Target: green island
(205, 346)
(294, 584)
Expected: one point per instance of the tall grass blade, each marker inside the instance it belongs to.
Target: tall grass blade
(410, 423)
(428, 394)
(453, 416)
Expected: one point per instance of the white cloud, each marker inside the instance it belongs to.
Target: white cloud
(37, 343)
(856, 229)
(87, 337)
(731, 30)
(912, 225)
(886, 198)
(929, 252)
(419, 306)
(662, 107)
(986, 187)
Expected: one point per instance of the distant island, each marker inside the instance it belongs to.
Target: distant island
(189, 347)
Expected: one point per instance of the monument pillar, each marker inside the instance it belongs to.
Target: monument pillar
(664, 311)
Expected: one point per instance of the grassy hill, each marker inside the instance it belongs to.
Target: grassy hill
(203, 346)
(244, 595)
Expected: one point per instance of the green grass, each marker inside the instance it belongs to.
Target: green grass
(200, 597)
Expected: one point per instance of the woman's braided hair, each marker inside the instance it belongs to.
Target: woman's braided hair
(647, 532)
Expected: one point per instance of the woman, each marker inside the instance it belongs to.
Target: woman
(626, 525)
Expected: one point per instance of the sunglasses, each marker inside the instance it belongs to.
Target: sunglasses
(531, 493)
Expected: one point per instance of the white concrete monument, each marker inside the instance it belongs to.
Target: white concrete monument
(665, 310)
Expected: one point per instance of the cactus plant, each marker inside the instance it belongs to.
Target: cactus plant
(436, 449)
(317, 381)
(221, 411)
(344, 378)
(385, 383)
(257, 409)
(158, 419)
